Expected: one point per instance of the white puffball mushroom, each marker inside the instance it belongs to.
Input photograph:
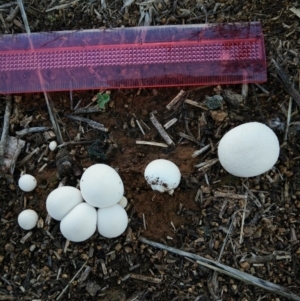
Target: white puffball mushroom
(112, 221)
(163, 175)
(101, 186)
(80, 223)
(53, 145)
(62, 200)
(27, 219)
(123, 202)
(248, 150)
(27, 182)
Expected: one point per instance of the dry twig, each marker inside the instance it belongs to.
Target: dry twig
(224, 269)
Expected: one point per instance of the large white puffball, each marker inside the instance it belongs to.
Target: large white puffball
(27, 219)
(101, 186)
(62, 200)
(27, 182)
(112, 221)
(80, 223)
(163, 175)
(248, 150)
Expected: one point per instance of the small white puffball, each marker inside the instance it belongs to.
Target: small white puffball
(163, 175)
(249, 150)
(123, 202)
(27, 219)
(101, 186)
(112, 221)
(27, 182)
(52, 145)
(62, 200)
(80, 223)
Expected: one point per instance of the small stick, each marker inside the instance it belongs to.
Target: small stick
(161, 130)
(24, 160)
(252, 196)
(195, 104)
(151, 143)
(170, 123)
(245, 90)
(193, 139)
(189, 132)
(5, 130)
(295, 11)
(66, 245)
(91, 123)
(53, 120)
(288, 85)
(71, 281)
(224, 269)
(145, 278)
(13, 14)
(58, 7)
(243, 222)
(208, 165)
(24, 238)
(288, 119)
(201, 151)
(144, 222)
(71, 100)
(94, 109)
(32, 130)
(146, 126)
(175, 101)
(205, 163)
(230, 195)
(267, 258)
(140, 127)
(265, 91)
(199, 128)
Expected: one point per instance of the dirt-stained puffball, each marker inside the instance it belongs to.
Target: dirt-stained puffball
(112, 221)
(53, 145)
(62, 200)
(101, 186)
(248, 150)
(27, 219)
(27, 182)
(80, 223)
(163, 175)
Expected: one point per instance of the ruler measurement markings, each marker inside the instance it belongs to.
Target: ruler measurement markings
(132, 57)
(66, 58)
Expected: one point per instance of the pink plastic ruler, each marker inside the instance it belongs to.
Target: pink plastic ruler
(157, 56)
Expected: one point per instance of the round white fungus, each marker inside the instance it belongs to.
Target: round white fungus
(112, 221)
(62, 200)
(123, 202)
(163, 175)
(248, 150)
(52, 145)
(101, 186)
(27, 219)
(27, 182)
(80, 223)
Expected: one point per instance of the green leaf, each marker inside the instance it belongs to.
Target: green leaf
(102, 99)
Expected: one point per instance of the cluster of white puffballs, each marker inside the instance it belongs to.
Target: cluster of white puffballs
(98, 204)
(249, 150)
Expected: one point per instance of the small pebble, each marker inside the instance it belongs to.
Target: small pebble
(118, 247)
(145, 112)
(9, 248)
